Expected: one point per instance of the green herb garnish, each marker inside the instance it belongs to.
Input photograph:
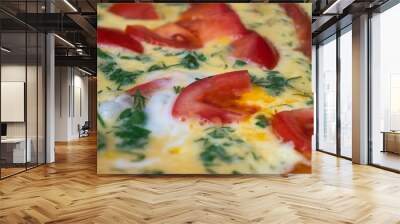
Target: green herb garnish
(101, 121)
(178, 89)
(101, 141)
(274, 82)
(310, 101)
(239, 63)
(112, 71)
(220, 132)
(157, 67)
(214, 152)
(108, 67)
(103, 55)
(138, 101)
(216, 144)
(130, 130)
(123, 78)
(142, 58)
(200, 56)
(261, 121)
(138, 157)
(190, 62)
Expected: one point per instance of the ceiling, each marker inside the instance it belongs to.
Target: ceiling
(75, 21)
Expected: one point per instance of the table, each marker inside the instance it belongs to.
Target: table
(17, 150)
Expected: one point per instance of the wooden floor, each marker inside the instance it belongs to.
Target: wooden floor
(69, 191)
(387, 159)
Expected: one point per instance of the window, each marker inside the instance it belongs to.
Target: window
(22, 75)
(346, 93)
(327, 96)
(385, 89)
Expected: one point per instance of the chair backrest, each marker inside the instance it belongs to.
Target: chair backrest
(86, 125)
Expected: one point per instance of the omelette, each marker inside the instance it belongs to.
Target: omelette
(204, 88)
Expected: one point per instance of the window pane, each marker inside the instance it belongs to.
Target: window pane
(327, 96)
(31, 96)
(386, 89)
(346, 94)
(14, 153)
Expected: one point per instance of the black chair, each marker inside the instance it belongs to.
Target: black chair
(84, 130)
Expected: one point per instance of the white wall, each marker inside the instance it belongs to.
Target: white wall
(71, 102)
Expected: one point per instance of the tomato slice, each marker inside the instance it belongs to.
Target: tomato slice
(134, 10)
(204, 10)
(302, 23)
(146, 89)
(295, 126)
(106, 36)
(211, 21)
(213, 99)
(180, 36)
(257, 49)
(172, 36)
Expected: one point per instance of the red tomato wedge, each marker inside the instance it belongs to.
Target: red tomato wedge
(146, 89)
(171, 35)
(213, 99)
(204, 10)
(179, 35)
(134, 10)
(257, 49)
(112, 37)
(295, 126)
(302, 23)
(212, 20)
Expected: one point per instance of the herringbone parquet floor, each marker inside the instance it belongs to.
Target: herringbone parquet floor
(69, 191)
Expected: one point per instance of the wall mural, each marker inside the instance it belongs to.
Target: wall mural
(204, 88)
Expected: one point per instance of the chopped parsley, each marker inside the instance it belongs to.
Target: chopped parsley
(101, 141)
(101, 121)
(108, 67)
(190, 62)
(138, 157)
(130, 131)
(178, 89)
(157, 67)
(141, 58)
(219, 132)
(119, 76)
(103, 55)
(213, 152)
(310, 101)
(216, 147)
(274, 82)
(139, 101)
(261, 121)
(123, 78)
(200, 56)
(130, 126)
(239, 63)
